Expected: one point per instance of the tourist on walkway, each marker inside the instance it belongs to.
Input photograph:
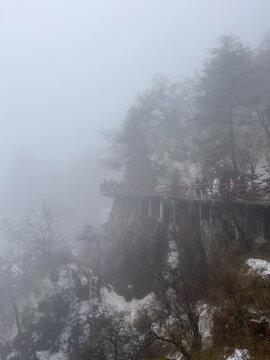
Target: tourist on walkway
(197, 186)
(204, 188)
(231, 189)
(216, 185)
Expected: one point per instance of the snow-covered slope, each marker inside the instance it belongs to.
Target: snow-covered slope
(56, 311)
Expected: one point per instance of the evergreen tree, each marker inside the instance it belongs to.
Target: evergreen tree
(221, 102)
(155, 134)
(260, 86)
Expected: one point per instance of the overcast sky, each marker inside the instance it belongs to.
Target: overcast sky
(71, 67)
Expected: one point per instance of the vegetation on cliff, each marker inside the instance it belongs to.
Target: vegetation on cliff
(218, 121)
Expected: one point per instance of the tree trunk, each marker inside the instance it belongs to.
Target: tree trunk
(232, 143)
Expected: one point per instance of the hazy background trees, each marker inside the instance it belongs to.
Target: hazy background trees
(63, 82)
(221, 101)
(38, 233)
(216, 121)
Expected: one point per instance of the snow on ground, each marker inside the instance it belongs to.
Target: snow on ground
(118, 303)
(239, 355)
(261, 266)
(79, 309)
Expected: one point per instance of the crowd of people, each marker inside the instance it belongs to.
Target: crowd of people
(239, 189)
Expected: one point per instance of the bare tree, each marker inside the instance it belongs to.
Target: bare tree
(241, 313)
(37, 233)
(7, 287)
(175, 315)
(113, 338)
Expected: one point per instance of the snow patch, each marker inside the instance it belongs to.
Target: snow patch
(239, 355)
(261, 266)
(206, 322)
(118, 303)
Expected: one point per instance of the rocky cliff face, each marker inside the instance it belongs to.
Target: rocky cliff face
(137, 244)
(133, 247)
(58, 306)
(57, 310)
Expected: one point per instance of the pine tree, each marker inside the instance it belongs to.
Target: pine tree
(221, 102)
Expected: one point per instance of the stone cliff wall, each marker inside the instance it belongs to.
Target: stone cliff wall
(136, 241)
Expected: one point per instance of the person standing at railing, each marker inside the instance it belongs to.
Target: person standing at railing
(184, 190)
(189, 190)
(216, 187)
(232, 185)
(224, 186)
(267, 190)
(241, 187)
(249, 190)
(231, 193)
(197, 188)
(204, 188)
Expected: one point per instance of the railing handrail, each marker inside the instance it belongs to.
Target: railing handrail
(252, 192)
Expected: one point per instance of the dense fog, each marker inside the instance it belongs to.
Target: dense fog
(134, 179)
(72, 68)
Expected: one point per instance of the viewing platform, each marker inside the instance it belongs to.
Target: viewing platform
(256, 194)
(248, 206)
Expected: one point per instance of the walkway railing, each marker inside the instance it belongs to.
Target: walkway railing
(199, 191)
